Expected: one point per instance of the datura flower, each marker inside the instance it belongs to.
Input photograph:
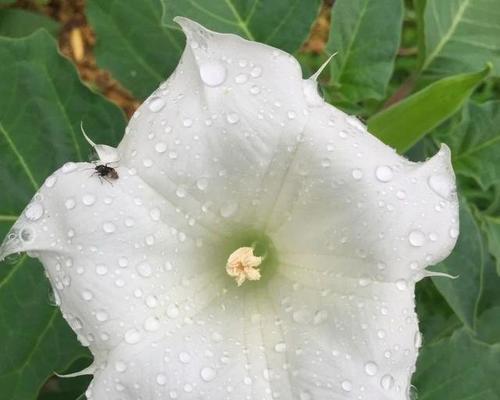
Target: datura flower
(255, 242)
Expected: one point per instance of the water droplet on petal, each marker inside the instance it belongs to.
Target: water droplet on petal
(202, 183)
(232, 118)
(151, 324)
(229, 209)
(132, 336)
(172, 311)
(401, 284)
(88, 199)
(108, 227)
(387, 382)
(156, 104)
(184, 357)
(346, 386)
(34, 211)
(50, 181)
(187, 122)
(371, 368)
(208, 374)
(144, 269)
(453, 233)
(416, 238)
(213, 73)
(241, 78)
(160, 147)
(441, 185)
(161, 379)
(120, 366)
(280, 347)
(357, 174)
(384, 173)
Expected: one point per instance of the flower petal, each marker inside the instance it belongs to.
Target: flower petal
(350, 199)
(214, 134)
(115, 253)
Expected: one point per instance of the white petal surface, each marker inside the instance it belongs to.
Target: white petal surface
(218, 134)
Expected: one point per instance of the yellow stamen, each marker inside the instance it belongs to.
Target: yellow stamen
(243, 265)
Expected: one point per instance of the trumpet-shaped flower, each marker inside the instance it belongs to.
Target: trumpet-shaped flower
(257, 243)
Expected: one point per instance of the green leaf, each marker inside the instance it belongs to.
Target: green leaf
(406, 122)
(35, 339)
(466, 262)
(491, 227)
(281, 23)
(458, 368)
(475, 143)
(133, 44)
(461, 36)
(42, 104)
(365, 54)
(18, 23)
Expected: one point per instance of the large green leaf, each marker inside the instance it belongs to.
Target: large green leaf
(281, 23)
(133, 44)
(365, 54)
(42, 104)
(34, 338)
(403, 124)
(475, 143)
(18, 23)
(461, 36)
(491, 226)
(459, 368)
(466, 262)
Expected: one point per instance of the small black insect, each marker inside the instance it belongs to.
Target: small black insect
(106, 172)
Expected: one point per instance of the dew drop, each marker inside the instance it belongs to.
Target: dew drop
(232, 118)
(384, 173)
(87, 295)
(202, 183)
(172, 311)
(181, 192)
(357, 174)
(371, 368)
(256, 72)
(187, 122)
(120, 366)
(132, 336)
(401, 284)
(88, 199)
(68, 167)
(50, 181)
(160, 147)
(241, 78)
(34, 211)
(213, 73)
(101, 315)
(151, 324)
(346, 386)
(440, 184)
(144, 269)
(208, 374)
(156, 104)
(108, 227)
(184, 357)
(228, 209)
(70, 203)
(387, 382)
(416, 238)
(161, 379)
(453, 233)
(280, 347)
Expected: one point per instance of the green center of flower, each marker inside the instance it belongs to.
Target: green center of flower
(251, 257)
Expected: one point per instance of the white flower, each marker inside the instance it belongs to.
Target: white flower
(236, 151)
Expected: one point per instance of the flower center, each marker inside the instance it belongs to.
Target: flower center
(255, 258)
(242, 264)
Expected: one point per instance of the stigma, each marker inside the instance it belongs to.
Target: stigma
(243, 265)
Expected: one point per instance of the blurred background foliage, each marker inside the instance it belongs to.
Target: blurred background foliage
(420, 73)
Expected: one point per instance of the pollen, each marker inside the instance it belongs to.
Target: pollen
(242, 264)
